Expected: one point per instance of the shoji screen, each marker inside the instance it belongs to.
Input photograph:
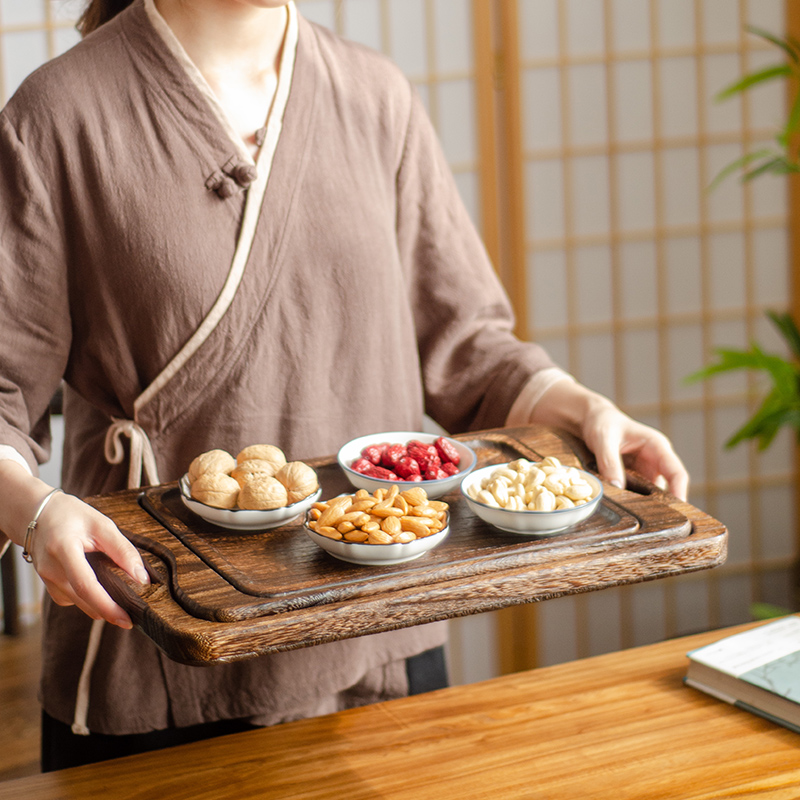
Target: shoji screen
(634, 271)
(31, 32)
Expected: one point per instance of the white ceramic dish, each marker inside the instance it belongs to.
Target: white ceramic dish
(242, 519)
(377, 555)
(531, 523)
(352, 450)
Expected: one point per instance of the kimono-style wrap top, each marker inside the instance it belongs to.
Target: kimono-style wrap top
(192, 299)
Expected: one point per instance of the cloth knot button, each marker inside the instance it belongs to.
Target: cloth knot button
(220, 183)
(244, 174)
(225, 188)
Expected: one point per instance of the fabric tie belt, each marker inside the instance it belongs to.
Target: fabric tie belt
(141, 456)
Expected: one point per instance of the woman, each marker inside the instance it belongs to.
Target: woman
(224, 225)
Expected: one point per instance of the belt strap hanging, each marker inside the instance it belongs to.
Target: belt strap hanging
(142, 459)
(141, 456)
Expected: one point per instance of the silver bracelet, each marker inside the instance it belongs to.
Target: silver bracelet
(32, 526)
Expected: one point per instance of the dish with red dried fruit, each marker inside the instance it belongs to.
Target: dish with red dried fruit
(437, 463)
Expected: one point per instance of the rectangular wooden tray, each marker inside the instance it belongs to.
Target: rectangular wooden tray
(221, 595)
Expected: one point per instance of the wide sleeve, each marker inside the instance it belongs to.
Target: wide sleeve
(473, 366)
(35, 329)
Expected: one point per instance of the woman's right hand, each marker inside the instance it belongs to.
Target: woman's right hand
(67, 529)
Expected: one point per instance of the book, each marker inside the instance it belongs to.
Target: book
(757, 670)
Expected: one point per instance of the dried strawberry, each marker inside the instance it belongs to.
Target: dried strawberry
(447, 451)
(450, 468)
(380, 472)
(374, 452)
(361, 465)
(392, 454)
(435, 474)
(406, 467)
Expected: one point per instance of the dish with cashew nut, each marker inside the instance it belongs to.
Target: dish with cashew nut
(531, 497)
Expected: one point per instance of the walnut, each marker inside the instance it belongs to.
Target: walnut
(216, 489)
(252, 468)
(262, 492)
(299, 479)
(211, 461)
(263, 452)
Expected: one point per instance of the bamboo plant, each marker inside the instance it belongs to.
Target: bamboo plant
(781, 406)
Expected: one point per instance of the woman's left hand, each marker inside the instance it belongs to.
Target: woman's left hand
(615, 438)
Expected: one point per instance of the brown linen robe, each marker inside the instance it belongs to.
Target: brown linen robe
(366, 301)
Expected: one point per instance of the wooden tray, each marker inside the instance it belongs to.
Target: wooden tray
(220, 595)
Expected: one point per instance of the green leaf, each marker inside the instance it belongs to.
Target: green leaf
(784, 374)
(792, 43)
(792, 123)
(787, 328)
(759, 611)
(754, 78)
(764, 428)
(739, 164)
(782, 166)
(777, 165)
(775, 412)
(753, 359)
(788, 45)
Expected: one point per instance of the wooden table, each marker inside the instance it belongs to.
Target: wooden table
(218, 596)
(616, 726)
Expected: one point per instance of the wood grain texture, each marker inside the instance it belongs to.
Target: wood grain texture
(620, 726)
(20, 662)
(221, 596)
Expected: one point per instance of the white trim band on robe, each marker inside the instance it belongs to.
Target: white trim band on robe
(252, 209)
